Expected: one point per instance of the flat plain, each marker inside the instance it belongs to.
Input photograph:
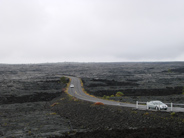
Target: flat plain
(27, 92)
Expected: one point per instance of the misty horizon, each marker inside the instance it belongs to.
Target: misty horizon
(91, 31)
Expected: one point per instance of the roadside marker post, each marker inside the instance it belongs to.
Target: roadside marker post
(171, 106)
(137, 104)
(147, 105)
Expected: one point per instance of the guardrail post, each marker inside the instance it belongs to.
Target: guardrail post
(159, 107)
(171, 106)
(137, 104)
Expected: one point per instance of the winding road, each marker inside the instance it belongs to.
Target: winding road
(78, 93)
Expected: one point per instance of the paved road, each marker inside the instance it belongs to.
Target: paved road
(78, 93)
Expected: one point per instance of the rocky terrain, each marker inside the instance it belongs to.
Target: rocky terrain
(27, 93)
(137, 79)
(90, 120)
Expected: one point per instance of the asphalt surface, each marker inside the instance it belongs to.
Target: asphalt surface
(77, 92)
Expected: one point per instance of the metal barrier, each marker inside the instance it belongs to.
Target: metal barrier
(137, 103)
(171, 105)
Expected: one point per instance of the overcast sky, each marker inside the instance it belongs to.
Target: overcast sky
(39, 31)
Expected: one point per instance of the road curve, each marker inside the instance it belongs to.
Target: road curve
(78, 93)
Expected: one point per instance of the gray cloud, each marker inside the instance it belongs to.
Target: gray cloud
(122, 30)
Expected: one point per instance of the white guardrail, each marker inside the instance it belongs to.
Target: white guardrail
(171, 105)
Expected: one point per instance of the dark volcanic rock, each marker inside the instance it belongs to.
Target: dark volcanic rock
(112, 121)
(32, 91)
(140, 79)
(128, 133)
(138, 92)
(43, 96)
(103, 82)
(179, 70)
(30, 120)
(28, 89)
(25, 95)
